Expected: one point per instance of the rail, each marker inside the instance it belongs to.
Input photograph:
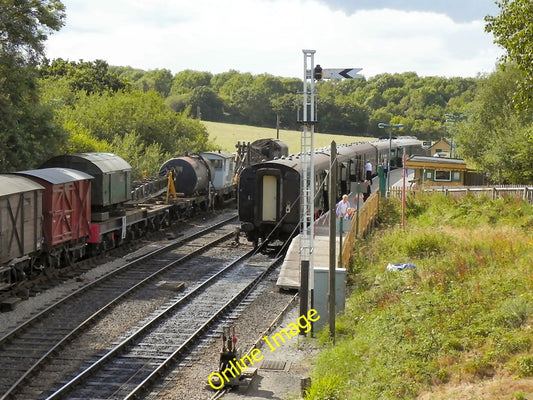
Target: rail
(133, 363)
(50, 345)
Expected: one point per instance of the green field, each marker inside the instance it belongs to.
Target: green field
(226, 136)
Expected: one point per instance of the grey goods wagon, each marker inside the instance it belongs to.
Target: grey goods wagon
(20, 225)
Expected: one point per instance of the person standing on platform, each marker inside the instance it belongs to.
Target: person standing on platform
(366, 189)
(342, 207)
(368, 171)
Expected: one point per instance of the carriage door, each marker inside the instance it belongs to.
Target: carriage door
(344, 178)
(355, 169)
(270, 198)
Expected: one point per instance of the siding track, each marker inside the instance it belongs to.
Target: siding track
(37, 352)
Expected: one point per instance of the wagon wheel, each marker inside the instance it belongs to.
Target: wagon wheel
(67, 258)
(49, 262)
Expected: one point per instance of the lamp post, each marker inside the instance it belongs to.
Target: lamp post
(381, 125)
(454, 118)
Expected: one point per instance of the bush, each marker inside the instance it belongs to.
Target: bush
(524, 366)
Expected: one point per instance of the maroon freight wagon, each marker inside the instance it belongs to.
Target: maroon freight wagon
(66, 212)
(20, 227)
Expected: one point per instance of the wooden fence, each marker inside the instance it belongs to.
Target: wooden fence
(493, 192)
(361, 224)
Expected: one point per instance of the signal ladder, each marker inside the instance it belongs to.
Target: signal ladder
(307, 158)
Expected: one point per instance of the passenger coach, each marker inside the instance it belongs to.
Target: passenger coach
(269, 192)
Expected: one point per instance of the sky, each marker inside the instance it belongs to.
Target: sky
(429, 37)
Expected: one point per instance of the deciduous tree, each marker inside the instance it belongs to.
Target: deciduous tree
(27, 132)
(495, 137)
(513, 30)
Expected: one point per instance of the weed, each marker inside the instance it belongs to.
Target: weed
(328, 390)
(514, 312)
(524, 366)
(424, 244)
(520, 396)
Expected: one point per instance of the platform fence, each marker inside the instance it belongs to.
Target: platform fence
(361, 224)
(493, 192)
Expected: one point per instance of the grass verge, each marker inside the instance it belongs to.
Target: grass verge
(449, 328)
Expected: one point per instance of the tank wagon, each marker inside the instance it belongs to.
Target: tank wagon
(269, 192)
(192, 174)
(206, 178)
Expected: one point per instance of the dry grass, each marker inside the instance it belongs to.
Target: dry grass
(500, 387)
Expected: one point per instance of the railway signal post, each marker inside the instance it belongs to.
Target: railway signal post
(307, 193)
(312, 73)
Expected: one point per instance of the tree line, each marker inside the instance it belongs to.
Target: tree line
(348, 107)
(58, 106)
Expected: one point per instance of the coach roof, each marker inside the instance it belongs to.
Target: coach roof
(57, 176)
(11, 184)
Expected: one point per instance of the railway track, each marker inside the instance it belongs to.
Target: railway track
(37, 343)
(126, 370)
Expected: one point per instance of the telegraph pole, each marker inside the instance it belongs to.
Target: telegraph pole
(332, 253)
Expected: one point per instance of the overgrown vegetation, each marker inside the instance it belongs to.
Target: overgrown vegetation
(463, 315)
(102, 112)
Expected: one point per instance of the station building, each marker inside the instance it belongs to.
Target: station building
(442, 148)
(437, 170)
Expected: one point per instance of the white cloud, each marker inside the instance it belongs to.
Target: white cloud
(267, 36)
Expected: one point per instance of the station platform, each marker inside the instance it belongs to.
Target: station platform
(289, 276)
